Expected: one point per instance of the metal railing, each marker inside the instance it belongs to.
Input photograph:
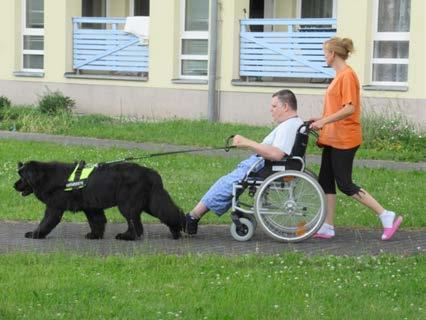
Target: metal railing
(100, 44)
(287, 48)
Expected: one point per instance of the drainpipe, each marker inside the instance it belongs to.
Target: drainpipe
(212, 112)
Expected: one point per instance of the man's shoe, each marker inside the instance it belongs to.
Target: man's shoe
(191, 224)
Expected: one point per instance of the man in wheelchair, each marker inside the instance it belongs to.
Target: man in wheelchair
(273, 148)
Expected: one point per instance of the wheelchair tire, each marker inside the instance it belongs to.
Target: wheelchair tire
(243, 233)
(290, 206)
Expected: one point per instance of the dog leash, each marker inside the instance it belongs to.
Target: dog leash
(227, 147)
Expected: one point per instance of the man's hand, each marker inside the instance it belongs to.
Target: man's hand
(264, 150)
(240, 141)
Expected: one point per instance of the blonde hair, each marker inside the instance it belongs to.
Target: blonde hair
(343, 47)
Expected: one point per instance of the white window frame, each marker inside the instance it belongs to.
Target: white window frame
(189, 35)
(131, 8)
(299, 9)
(386, 36)
(30, 32)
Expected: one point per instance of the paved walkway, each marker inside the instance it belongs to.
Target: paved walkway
(211, 239)
(214, 239)
(157, 147)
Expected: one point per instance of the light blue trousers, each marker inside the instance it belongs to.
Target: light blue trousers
(219, 197)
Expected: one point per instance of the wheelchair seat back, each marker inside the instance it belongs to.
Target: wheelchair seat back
(301, 141)
(288, 162)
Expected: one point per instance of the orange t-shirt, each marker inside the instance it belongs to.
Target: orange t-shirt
(345, 133)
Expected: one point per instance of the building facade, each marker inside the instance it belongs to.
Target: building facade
(81, 48)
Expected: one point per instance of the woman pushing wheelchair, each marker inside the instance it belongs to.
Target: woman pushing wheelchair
(340, 136)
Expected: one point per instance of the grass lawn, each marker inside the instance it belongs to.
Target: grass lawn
(383, 139)
(187, 177)
(287, 286)
(290, 286)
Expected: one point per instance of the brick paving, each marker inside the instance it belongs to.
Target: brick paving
(211, 239)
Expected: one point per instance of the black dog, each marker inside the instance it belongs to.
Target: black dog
(130, 187)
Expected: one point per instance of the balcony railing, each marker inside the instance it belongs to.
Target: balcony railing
(100, 44)
(287, 48)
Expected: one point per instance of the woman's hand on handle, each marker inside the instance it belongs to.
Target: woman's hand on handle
(317, 123)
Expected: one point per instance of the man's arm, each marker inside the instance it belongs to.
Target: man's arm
(266, 151)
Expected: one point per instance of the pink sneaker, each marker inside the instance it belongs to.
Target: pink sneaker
(389, 232)
(323, 236)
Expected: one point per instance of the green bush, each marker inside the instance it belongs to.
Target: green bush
(53, 103)
(393, 132)
(4, 102)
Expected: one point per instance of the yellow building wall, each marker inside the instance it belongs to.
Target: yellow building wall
(57, 29)
(118, 8)
(417, 58)
(8, 38)
(285, 9)
(163, 42)
(354, 21)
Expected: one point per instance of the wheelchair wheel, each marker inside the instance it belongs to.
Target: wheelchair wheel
(243, 232)
(290, 206)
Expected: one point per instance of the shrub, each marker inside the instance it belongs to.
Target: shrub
(392, 132)
(4, 105)
(4, 102)
(55, 102)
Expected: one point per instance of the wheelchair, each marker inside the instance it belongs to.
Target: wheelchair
(284, 197)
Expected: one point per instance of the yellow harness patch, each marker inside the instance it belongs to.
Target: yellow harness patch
(79, 177)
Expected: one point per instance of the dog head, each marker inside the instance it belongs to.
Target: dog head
(27, 178)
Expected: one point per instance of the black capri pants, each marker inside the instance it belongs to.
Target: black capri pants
(336, 167)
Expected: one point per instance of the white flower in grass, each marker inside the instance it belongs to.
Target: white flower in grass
(276, 306)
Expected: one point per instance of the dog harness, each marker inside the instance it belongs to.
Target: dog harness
(80, 175)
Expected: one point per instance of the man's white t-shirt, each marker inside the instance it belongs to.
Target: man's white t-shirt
(284, 134)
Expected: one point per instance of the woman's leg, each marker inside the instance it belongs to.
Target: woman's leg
(327, 182)
(331, 208)
(367, 199)
(342, 165)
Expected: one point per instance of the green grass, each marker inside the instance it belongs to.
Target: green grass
(289, 286)
(383, 139)
(188, 176)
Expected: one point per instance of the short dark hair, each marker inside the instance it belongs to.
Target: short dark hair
(286, 96)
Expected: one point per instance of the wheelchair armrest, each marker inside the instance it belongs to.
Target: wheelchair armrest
(253, 166)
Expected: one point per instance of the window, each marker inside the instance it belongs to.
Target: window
(194, 39)
(33, 35)
(317, 8)
(94, 8)
(139, 8)
(391, 42)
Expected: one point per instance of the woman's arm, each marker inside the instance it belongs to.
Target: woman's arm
(264, 150)
(346, 111)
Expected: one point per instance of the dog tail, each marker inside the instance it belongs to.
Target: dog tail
(162, 206)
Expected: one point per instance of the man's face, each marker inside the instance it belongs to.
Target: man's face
(277, 109)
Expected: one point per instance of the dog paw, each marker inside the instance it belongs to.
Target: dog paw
(33, 235)
(92, 236)
(126, 237)
(176, 235)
